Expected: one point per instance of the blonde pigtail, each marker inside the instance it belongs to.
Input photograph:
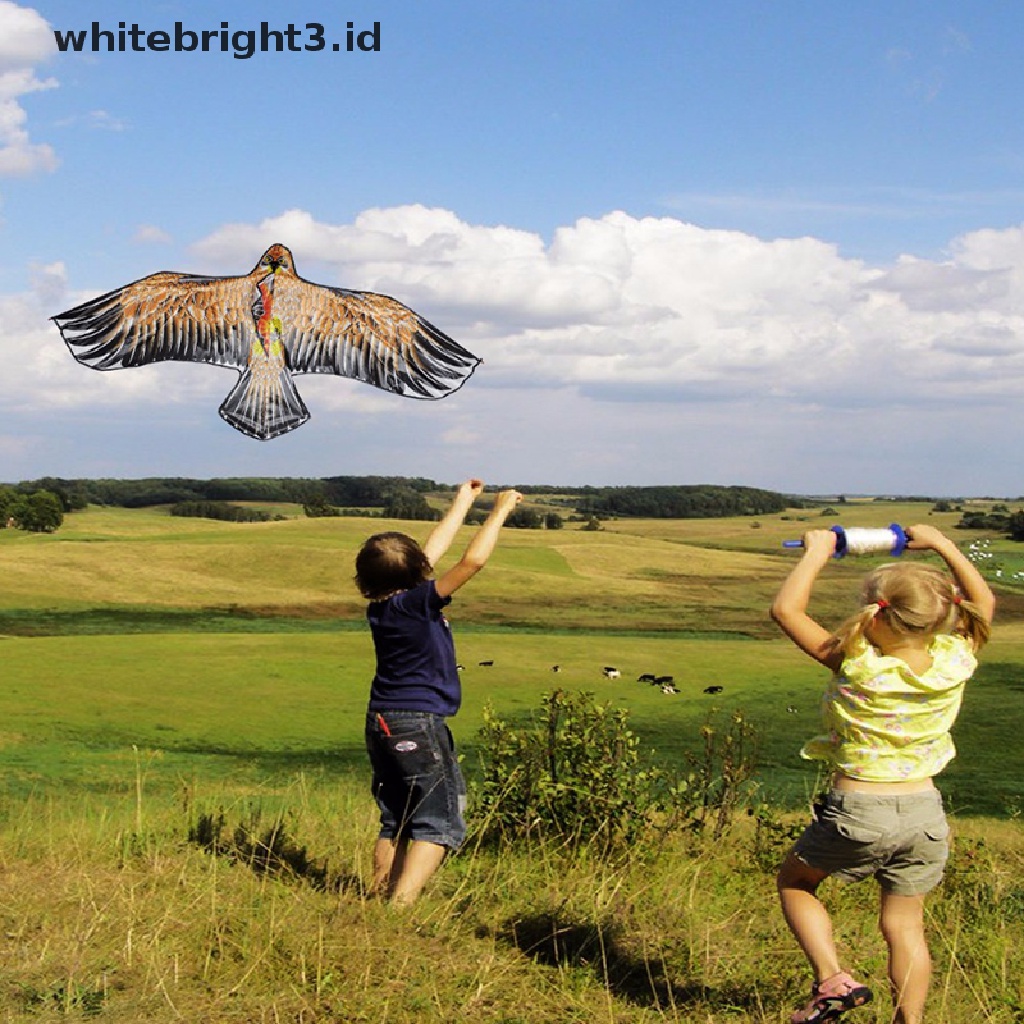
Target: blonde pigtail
(851, 632)
(971, 623)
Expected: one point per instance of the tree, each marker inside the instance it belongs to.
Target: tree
(553, 521)
(7, 498)
(404, 503)
(1016, 526)
(318, 507)
(525, 519)
(39, 512)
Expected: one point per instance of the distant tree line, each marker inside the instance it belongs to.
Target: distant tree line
(697, 501)
(76, 494)
(406, 497)
(999, 519)
(222, 510)
(37, 511)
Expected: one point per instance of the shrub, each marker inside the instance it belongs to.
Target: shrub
(573, 773)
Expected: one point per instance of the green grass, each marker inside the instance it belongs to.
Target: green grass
(267, 705)
(158, 669)
(111, 914)
(244, 644)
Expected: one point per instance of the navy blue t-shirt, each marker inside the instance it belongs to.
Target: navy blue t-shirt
(416, 668)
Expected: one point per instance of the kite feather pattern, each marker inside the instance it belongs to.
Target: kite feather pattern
(268, 324)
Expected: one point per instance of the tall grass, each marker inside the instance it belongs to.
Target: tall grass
(110, 912)
(185, 826)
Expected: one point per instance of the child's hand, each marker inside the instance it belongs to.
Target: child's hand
(820, 543)
(506, 501)
(471, 489)
(924, 538)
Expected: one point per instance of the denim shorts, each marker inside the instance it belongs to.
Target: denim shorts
(902, 841)
(417, 782)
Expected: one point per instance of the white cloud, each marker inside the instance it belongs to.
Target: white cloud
(103, 120)
(620, 303)
(25, 40)
(40, 374)
(632, 341)
(150, 234)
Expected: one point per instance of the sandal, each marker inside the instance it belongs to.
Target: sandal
(831, 998)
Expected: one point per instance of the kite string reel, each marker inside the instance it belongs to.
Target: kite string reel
(864, 541)
(859, 540)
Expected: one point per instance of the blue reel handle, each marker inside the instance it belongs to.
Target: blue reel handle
(840, 542)
(900, 541)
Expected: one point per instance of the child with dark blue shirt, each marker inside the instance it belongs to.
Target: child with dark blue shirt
(416, 778)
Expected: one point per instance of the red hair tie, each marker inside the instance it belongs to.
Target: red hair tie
(957, 599)
(882, 603)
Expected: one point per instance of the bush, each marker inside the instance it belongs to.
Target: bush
(318, 508)
(220, 510)
(573, 773)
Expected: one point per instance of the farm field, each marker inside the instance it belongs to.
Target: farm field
(245, 643)
(157, 669)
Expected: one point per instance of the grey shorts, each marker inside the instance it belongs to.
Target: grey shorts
(902, 841)
(417, 782)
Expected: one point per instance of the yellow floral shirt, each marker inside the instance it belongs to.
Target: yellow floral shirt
(886, 724)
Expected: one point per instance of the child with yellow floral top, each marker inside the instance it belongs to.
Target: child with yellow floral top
(899, 668)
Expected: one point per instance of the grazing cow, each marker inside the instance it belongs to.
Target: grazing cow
(791, 709)
(647, 677)
(712, 689)
(663, 680)
(611, 673)
(486, 664)
(460, 668)
(556, 668)
(669, 688)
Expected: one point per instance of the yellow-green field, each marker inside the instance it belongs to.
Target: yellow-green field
(158, 669)
(243, 645)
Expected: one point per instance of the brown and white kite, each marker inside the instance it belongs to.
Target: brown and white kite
(269, 325)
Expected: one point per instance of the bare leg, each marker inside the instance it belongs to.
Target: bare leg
(421, 859)
(388, 857)
(910, 965)
(806, 916)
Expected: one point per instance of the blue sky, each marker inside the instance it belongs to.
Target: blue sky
(770, 244)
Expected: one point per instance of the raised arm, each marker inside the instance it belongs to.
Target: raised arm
(789, 609)
(971, 583)
(480, 547)
(442, 535)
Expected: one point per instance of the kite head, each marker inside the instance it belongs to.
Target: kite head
(278, 257)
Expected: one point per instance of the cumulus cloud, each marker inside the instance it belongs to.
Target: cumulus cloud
(625, 307)
(40, 375)
(626, 315)
(25, 41)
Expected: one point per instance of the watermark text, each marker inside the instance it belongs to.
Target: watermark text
(241, 43)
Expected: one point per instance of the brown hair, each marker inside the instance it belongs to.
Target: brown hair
(915, 599)
(389, 562)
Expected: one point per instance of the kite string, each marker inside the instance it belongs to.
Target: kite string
(862, 541)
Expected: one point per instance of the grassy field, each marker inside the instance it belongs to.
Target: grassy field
(159, 668)
(244, 644)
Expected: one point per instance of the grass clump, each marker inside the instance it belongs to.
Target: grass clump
(575, 772)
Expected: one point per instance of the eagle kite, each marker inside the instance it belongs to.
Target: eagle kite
(269, 325)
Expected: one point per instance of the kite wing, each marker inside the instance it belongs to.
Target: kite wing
(183, 317)
(369, 337)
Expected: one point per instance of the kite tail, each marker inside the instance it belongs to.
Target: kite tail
(264, 403)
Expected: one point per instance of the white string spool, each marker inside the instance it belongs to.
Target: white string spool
(864, 541)
(858, 540)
